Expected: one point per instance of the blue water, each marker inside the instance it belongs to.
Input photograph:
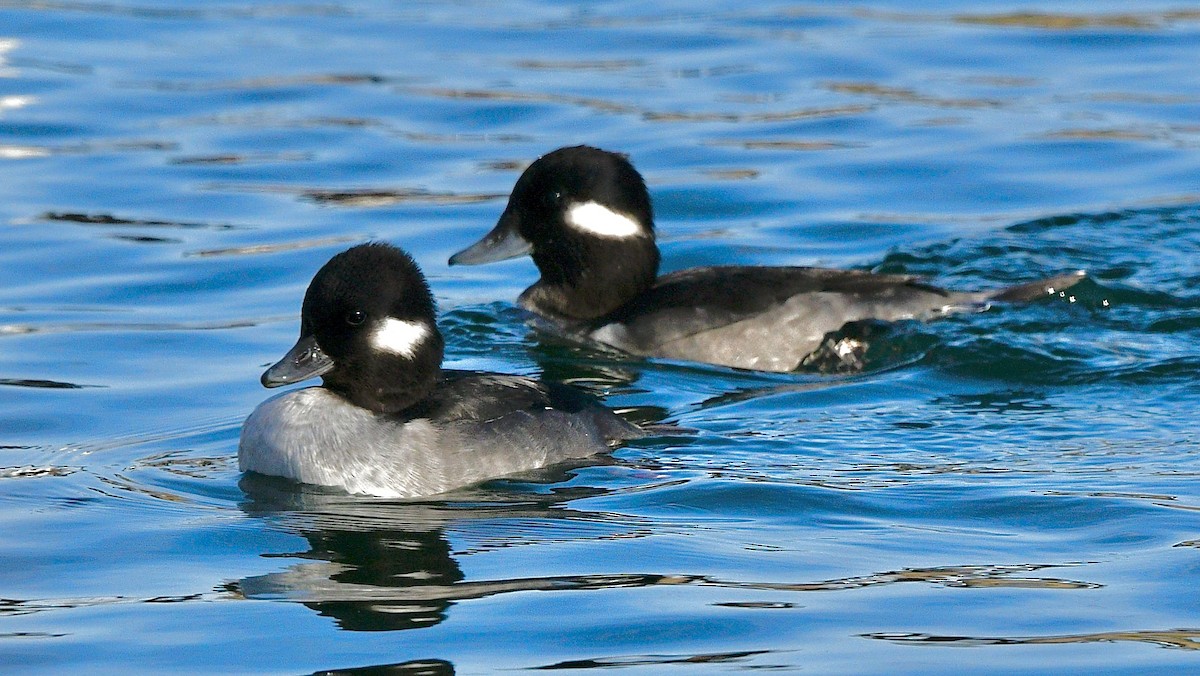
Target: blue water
(1013, 491)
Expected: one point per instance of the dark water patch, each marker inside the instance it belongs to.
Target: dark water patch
(375, 198)
(19, 130)
(785, 144)
(1055, 21)
(109, 219)
(506, 166)
(185, 463)
(27, 151)
(1114, 494)
(145, 239)
(270, 82)
(1176, 135)
(1141, 98)
(1182, 639)
(316, 10)
(43, 384)
(240, 159)
(777, 116)
(1069, 220)
(269, 120)
(101, 327)
(626, 661)
(261, 249)
(759, 605)
(732, 174)
(364, 197)
(422, 667)
(1171, 370)
(756, 392)
(16, 607)
(1058, 361)
(612, 65)
(113, 486)
(886, 94)
(590, 103)
(464, 137)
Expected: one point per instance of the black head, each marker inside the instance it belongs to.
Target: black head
(367, 327)
(572, 177)
(585, 216)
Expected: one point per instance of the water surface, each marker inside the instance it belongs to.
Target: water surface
(1000, 491)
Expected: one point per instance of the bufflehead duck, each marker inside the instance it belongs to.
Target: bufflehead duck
(584, 214)
(387, 419)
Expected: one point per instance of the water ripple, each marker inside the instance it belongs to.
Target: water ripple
(1183, 639)
(1031, 466)
(655, 660)
(364, 197)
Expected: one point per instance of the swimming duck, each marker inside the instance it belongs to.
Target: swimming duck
(585, 216)
(387, 420)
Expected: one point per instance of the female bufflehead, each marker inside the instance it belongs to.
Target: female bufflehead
(585, 216)
(387, 420)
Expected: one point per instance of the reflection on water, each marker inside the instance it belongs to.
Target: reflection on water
(52, 384)
(1186, 639)
(375, 565)
(1067, 22)
(384, 565)
(109, 219)
(734, 658)
(882, 93)
(409, 668)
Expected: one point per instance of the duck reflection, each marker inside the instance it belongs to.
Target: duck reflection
(376, 565)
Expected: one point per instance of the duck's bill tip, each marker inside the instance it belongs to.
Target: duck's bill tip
(305, 360)
(501, 244)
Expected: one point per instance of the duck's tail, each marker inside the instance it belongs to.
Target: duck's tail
(1023, 293)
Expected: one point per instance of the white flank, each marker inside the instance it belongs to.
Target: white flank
(399, 337)
(597, 219)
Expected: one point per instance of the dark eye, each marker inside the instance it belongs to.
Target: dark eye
(552, 198)
(355, 317)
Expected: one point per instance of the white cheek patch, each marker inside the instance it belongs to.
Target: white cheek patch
(597, 219)
(399, 337)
